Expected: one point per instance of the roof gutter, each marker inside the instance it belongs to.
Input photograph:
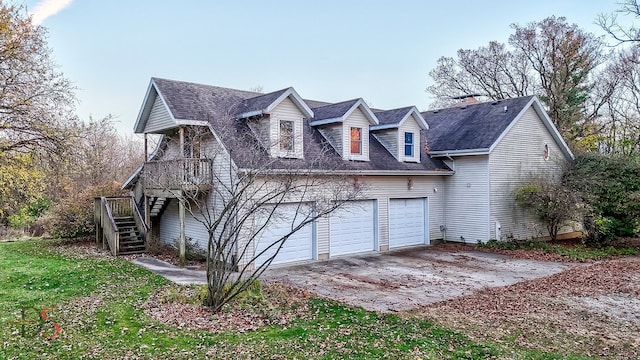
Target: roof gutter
(250, 114)
(466, 152)
(383, 127)
(349, 172)
(326, 121)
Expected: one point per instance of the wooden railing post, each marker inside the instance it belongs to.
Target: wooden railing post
(97, 219)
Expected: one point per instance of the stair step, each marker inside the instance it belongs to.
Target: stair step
(130, 239)
(131, 252)
(124, 249)
(132, 247)
(126, 223)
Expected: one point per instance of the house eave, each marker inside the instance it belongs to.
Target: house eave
(384, 127)
(249, 114)
(465, 152)
(326, 121)
(350, 172)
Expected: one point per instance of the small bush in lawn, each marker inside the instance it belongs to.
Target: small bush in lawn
(193, 250)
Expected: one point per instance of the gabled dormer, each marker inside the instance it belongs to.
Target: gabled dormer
(399, 132)
(346, 126)
(157, 116)
(277, 121)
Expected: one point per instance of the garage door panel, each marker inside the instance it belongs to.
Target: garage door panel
(298, 247)
(407, 222)
(352, 228)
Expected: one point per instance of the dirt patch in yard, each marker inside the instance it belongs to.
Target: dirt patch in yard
(278, 304)
(592, 310)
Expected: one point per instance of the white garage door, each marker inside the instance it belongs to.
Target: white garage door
(352, 228)
(297, 247)
(407, 222)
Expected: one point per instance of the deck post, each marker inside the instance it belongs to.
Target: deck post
(183, 240)
(97, 211)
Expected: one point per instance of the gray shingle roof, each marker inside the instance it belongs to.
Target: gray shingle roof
(259, 103)
(218, 106)
(469, 127)
(331, 111)
(191, 101)
(392, 117)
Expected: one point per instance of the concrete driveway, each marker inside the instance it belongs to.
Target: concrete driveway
(398, 281)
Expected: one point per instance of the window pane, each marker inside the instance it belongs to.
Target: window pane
(408, 138)
(408, 144)
(286, 135)
(408, 150)
(356, 140)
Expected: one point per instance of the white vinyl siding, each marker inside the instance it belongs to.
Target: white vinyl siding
(467, 204)
(159, 118)
(515, 160)
(170, 227)
(407, 222)
(355, 120)
(352, 228)
(333, 134)
(410, 125)
(389, 139)
(286, 111)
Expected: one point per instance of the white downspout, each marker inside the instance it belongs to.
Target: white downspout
(446, 192)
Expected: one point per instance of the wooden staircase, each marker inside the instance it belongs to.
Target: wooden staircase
(119, 225)
(131, 241)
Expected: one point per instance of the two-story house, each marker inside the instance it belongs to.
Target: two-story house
(436, 175)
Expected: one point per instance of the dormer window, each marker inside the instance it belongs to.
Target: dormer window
(356, 141)
(408, 144)
(286, 135)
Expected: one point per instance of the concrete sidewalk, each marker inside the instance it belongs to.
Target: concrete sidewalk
(178, 275)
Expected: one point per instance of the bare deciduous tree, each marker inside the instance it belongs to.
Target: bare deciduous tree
(620, 33)
(550, 58)
(239, 201)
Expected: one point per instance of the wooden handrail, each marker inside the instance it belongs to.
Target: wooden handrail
(140, 223)
(109, 227)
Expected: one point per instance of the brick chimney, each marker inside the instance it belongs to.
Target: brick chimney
(464, 100)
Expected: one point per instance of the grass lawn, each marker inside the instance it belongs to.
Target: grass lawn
(98, 302)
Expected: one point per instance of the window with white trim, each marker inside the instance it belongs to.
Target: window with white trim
(286, 135)
(356, 140)
(408, 144)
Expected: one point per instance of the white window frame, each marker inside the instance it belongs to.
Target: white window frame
(293, 137)
(413, 145)
(351, 141)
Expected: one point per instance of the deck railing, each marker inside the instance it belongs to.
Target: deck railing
(178, 174)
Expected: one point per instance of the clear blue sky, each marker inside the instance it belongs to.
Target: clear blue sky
(327, 50)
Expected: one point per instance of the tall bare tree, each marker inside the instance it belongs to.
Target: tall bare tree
(550, 58)
(619, 32)
(239, 201)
